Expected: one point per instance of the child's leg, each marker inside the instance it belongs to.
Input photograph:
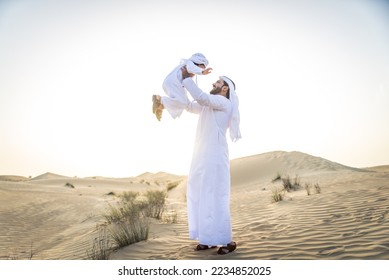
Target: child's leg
(176, 100)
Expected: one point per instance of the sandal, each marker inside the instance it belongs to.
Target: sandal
(157, 107)
(156, 103)
(201, 247)
(227, 249)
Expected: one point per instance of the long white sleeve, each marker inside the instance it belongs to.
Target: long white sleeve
(214, 101)
(194, 107)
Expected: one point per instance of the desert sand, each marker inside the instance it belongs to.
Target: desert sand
(55, 217)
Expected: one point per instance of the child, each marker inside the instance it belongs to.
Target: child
(177, 100)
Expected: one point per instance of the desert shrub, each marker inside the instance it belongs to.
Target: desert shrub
(292, 185)
(128, 220)
(114, 214)
(170, 216)
(126, 207)
(129, 196)
(101, 246)
(172, 185)
(317, 188)
(127, 223)
(308, 188)
(278, 195)
(289, 185)
(69, 185)
(155, 203)
(296, 182)
(130, 231)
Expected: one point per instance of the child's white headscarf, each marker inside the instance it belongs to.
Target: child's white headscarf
(199, 58)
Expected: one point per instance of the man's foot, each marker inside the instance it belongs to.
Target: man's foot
(227, 249)
(157, 107)
(201, 247)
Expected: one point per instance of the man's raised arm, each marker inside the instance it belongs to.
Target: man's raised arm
(205, 99)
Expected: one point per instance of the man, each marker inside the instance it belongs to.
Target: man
(208, 191)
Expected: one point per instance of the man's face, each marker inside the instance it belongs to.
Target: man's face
(217, 87)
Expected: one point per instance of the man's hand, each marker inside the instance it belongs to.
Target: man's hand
(207, 71)
(185, 73)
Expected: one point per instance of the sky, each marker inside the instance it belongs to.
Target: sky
(76, 80)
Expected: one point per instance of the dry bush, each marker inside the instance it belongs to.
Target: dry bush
(69, 185)
(101, 247)
(155, 204)
(308, 188)
(289, 186)
(278, 195)
(172, 185)
(127, 222)
(317, 188)
(170, 216)
(130, 231)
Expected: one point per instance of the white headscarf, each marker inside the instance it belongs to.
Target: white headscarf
(197, 58)
(235, 117)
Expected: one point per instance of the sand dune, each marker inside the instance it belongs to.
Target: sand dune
(49, 175)
(266, 166)
(13, 178)
(44, 218)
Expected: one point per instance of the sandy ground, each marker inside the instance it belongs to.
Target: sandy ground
(42, 218)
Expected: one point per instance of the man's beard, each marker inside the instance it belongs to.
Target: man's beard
(216, 90)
